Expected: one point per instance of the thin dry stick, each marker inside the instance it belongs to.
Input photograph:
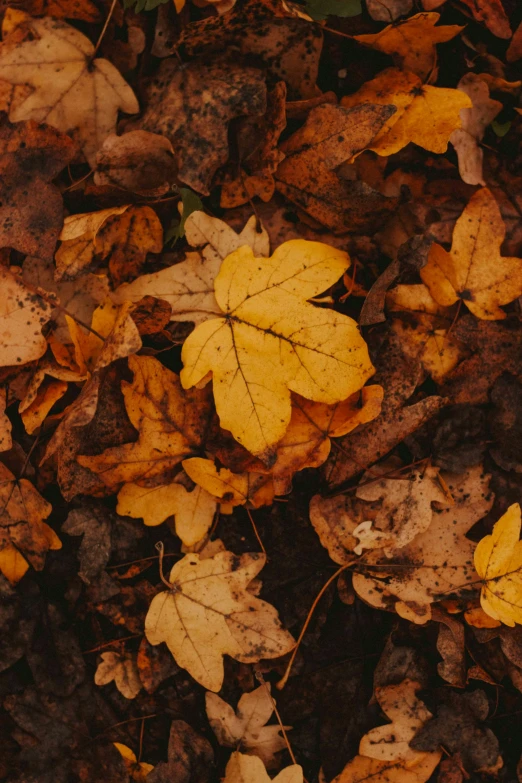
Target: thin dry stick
(256, 532)
(141, 739)
(161, 550)
(105, 26)
(112, 641)
(259, 677)
(282, 682)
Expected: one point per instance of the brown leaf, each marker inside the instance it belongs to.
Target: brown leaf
(31, 210)
(198, 129)
(191, 758)
(62, 9)
(138, 161)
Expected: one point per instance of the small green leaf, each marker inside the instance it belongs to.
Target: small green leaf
(191, 203)
(143, 5)
(322, 9)
(501, 128)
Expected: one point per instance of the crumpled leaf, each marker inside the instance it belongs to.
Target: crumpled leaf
(270, 340)
(411, 43)
(189, 286)
(23, 312)
(475, 120)
(24, 537)
(120, 235)
(138, 770)
(209, 612)
(385, 755)
(194, 511)
(78, 97)
(498, 560)
(31, 209)
(171, 422)
(474, 271)
(138, 161)
(437, 563)
(249, 769)
(122, 669)
(331, 136)
(458, 727)
(424, 115)
(198, 130)
(245, 728)
(423, 327)
(191, 758)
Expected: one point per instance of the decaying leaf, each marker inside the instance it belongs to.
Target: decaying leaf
(189, 286)
(95, 549)
(492, 13)
(198, 129)
(71, 91)
(246, 727)
(411, 43)
(138, 161)
(31, 209)
(424, 115)
(23, 312)
(6, 440)
(249, 769)
(194, 511)
(191, 757)
(271, 341)
(122, 669)
(208, 613)
(388, 10)
(171, 422)
(474, 271)
(307, 177)
(498, 560)
(24, 536)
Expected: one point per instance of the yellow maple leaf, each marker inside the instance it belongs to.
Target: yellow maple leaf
(123, 670)
(71, 91)
(23, 533)
(171, 422)
(249, 769)
(138, 770)
(425, 115)
(208, 612)
(411, 42)
(238, 489)
(498, 560)
(474, 271)
(271, 341)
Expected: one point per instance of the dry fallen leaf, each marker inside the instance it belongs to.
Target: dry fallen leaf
(172, 423)
(246, 727)
(248, 488)
(474, 271)
(189, 286)
(424, 115)
(271, 341)
(411, 43)
(23, 312)
(138, 161)
(31, 209)
(498, 560)
(331, 136)
(63, 9)
(48, 384)
(122, 669)
(249, 769)
(492, 13)
(24, 537)
(138, 770)
(194, 511)
(6, 440)
(475, 120)
(208, 612)
(388, 10)
(70, 92)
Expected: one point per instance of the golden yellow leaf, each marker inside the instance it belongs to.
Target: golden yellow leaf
(48, 384)
(237, 489)
(271, 341)
(189, 286)
(193, 511)
(245, 727)
(498, 560)
(22, 315)
(138, 770)
(78, 236)
(172, 424)
(123, 670)
(23, 533)
(71, 91)
(425, 115)
(474, 271)
(411, 42)
(249, 769)
(208, 613)
(422, 326)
